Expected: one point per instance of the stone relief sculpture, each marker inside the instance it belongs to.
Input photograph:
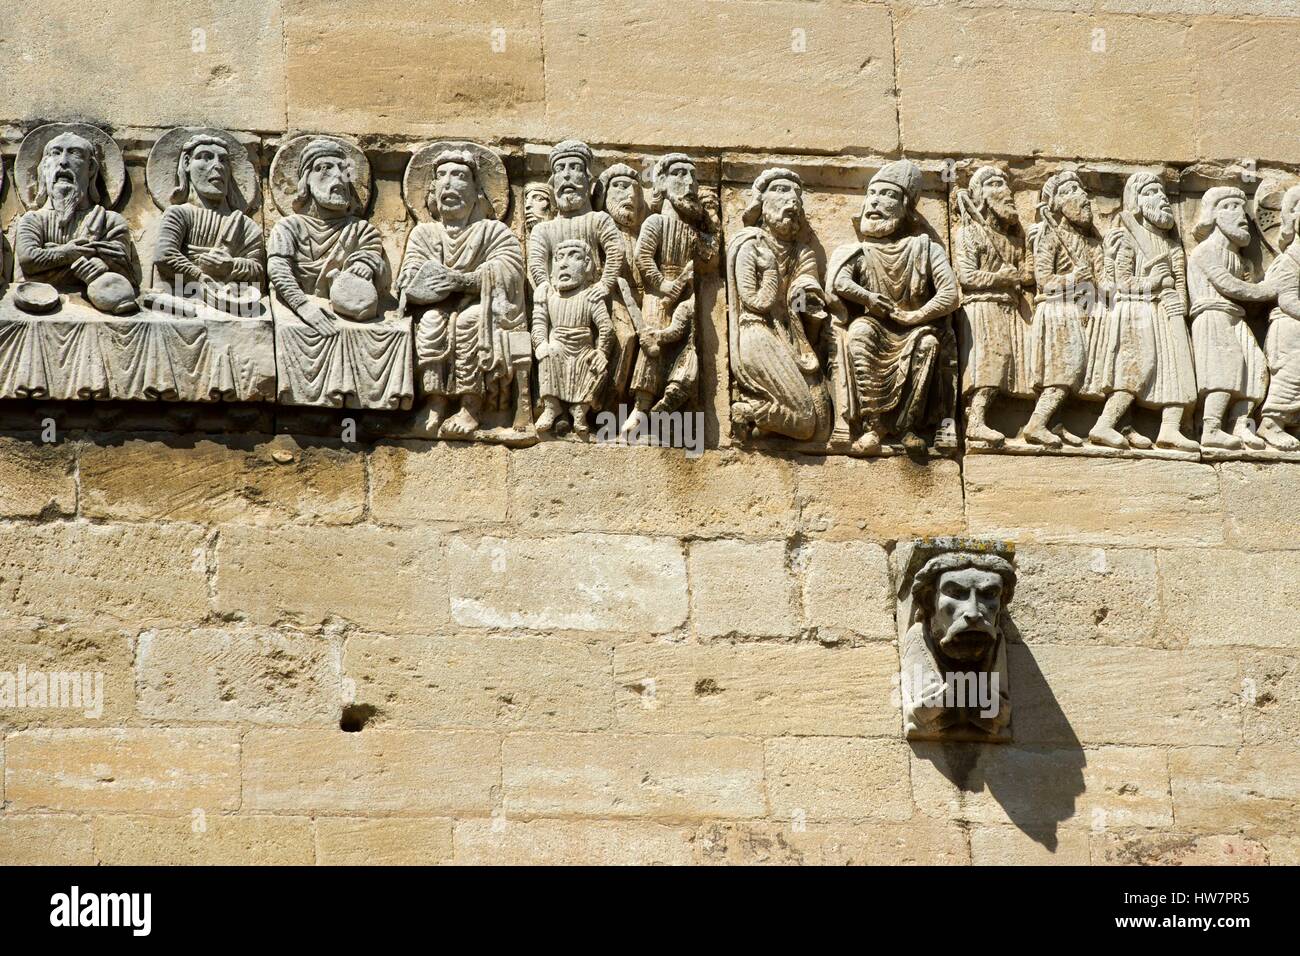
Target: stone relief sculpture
(952, 603)
(776, 315)
(1231, 370)
(462, 280)
(1067, 268)
(1138, 348)
(572, 338)
(993, 272)
(1280, 414)
(336, 343)
(619, 193)
(539, 205)
(680, 235)
(891, 294)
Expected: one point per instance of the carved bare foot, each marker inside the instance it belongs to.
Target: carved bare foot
(1135, 438)
(1218, 438)
(1248, 436)
(462, 424)
(580, 426)
(550, 412)
(914, 443)
(990, 436)
(1107, 437)
(432, 422)
(636, 423)
(868, 443)
(1171, 437)
(1038, 435)
(1273, 433)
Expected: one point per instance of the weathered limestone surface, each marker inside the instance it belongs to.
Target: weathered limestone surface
(917, 842)
(837, 778)
(504, 842)
(762, 599)
(368, 841)
(213, 839)
(850, 499)
(425, 483)
(38, 480)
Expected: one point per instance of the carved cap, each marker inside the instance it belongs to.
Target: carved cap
(291, 159)
(904, 174)
(1133, 186)
(1053, 185)
(753, 213)
(1210, 205)
(611, 173)
(570, 148)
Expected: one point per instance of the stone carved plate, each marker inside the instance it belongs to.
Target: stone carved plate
(284, 170)
(112, 175)
(419, 171)
(162, 168)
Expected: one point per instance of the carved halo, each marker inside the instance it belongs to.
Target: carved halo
(419, 172)
(160, 172)
(1268, 208)
(112, 173)
(284, 170)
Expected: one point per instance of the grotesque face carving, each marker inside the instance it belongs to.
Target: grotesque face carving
(1230, 217)
(67, 168)
(571, 182)
(454, 191)
(623, 200)
(783, 208)
(883, 210)
(209, 171)
(329, 180)
(995, 193)
(1072, 202)
(570, 265)
(1155, 206)
(964, 619)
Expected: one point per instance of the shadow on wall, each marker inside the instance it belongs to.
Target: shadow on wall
(1036, 787)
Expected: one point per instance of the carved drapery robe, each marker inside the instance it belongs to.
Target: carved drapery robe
(890, 369)
(1282, 343)
(995, 323)
(459, 340)
(597, 229)
(358, 364)
(625, 343)
(1228, 359)
(42, 228)
(576, 330)
(1140, 344)
(776, 368)
(188, 230)
(663, 250)
(1066, 269)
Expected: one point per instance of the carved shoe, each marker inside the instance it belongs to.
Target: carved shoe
(1107, 437)
(1171, 437)
(1218, 438)
(868, 443)
(1038, 435)
(1135, 438)
(989, 436)
(914, 443)
(1248, 437)
(1277, 436)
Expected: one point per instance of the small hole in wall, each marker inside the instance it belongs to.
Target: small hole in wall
(355, 717)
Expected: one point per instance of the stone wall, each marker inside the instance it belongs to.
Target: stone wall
(450, 652)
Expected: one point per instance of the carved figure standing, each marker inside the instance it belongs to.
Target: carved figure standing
(618, 192)
(1280, 414)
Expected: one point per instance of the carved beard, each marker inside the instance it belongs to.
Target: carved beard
(880, 228)
(1158, 214)
(624, 213)
(1077, 211)
(569, 198)
(65, 199)
(688, 206)
(783, 223)
(1003, 209)
(1238, 234)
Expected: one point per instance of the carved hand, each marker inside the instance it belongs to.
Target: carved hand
(217, 263)
(542, 349)
(320, 319)
(88, 269)
(362, 270)
(596, 294)
(77, 249)
(650, 342)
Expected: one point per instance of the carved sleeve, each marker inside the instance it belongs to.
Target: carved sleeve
(968, 271)
(369, 251)
(1288, 290)
(604, 328)
(611, 241)
(117, 232)
(1228, 285)
(541, 324)
(1121, 263)
(946, 296)
(539, 257)
(279, 266)
(31, 251)
(757, 291)
(170, 249)
(249, 255)
(647, 249)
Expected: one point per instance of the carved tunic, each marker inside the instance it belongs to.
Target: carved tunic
(1139, 345)
(1282, 344)
(663, 250)
(993, 332)
(188, 230)
(597, 229)
(572, 371)
(306, 252)
(1066, 268)
(891, 367)
(44, 227)
(1228, 359)
(455, 339)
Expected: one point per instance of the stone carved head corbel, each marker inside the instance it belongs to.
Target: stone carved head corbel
(952, 615)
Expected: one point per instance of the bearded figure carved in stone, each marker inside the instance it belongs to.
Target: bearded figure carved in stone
(571, 182)
(776, 314)
(1231, 370)
(69, 242)
(679, 237)
(619, 193)
(462, 277)
(891, 294)
(335, 346)
(1067, 267)
(1280, 414)
(208, 249)
(1138, 347)
(993, 272)
(539, 205)
(572, 339)
(952, 615)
